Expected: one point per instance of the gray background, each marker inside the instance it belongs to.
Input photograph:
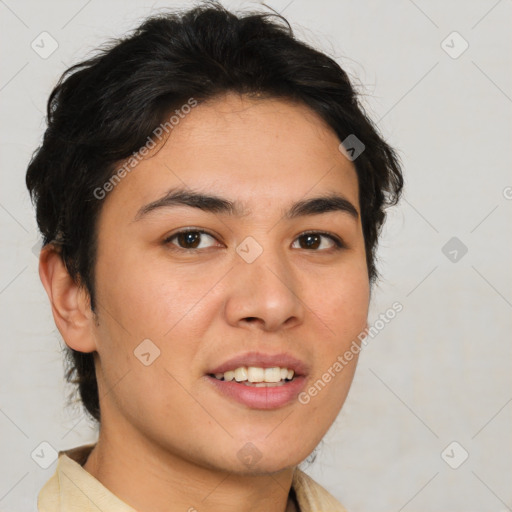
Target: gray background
(441, 370)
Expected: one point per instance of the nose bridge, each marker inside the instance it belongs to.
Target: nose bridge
(265, 286)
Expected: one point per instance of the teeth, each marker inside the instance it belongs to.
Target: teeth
(272, 374)
(230, 375)
(256, 375)
(241, 374)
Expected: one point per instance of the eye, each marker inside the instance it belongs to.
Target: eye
(194, 239)
(189, 239)
(313, 241)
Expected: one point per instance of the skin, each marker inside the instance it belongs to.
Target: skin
(167, 436)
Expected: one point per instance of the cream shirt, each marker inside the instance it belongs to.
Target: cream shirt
(72, 489)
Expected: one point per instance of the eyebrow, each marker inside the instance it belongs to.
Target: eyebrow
(215, 204)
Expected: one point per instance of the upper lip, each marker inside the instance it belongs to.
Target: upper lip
(261, 360)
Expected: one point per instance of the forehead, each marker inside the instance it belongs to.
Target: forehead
(258, 151)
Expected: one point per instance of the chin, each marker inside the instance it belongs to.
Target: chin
(264, 458)
(262, 467)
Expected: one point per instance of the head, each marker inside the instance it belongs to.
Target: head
(229, 127)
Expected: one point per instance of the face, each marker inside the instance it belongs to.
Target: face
(256, 283)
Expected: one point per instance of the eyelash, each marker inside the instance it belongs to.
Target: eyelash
(338, 244)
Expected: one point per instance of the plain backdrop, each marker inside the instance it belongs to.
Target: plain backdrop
(427, 424)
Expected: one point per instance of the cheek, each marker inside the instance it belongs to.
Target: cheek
(343, 310)
(342, 303)
(151, 297)
(149, 336)
(141, 310)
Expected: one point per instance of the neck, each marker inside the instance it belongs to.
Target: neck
(149, 478)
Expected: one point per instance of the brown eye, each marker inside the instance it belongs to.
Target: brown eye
(189, 239)
(310, 241)
(314, 241)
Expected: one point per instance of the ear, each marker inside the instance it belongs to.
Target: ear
(70, 302)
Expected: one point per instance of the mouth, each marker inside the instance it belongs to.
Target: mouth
(260, 381)
(255, 376)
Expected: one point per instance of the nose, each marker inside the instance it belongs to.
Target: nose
(264, 294)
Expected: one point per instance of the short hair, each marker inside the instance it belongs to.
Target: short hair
(103, 109)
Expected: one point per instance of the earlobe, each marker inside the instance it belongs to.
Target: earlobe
(70, 302)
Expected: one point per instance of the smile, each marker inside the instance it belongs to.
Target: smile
(257, 376)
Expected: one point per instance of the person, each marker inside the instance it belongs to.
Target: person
(210, 194)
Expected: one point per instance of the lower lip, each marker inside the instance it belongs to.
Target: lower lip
(270, 397)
